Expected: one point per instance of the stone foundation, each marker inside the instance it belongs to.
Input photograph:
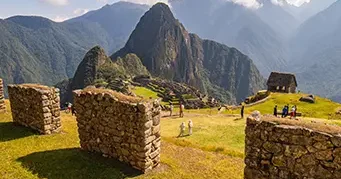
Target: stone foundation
(284, 151)
(127, 131)
(36, 106)
(2, 98)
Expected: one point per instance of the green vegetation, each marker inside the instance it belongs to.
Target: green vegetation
(216, 133)
(215, 150)
(25, 154)
(323, 108)
(144, 92)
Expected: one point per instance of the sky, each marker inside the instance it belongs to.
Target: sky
(60, 10)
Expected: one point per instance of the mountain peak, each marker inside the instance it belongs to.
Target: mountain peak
(160, 10)
(32, 22)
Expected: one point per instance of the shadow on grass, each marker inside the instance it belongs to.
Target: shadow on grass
(11, 131)
(74, 163)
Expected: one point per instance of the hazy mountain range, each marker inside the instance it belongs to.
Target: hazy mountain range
(275, 37)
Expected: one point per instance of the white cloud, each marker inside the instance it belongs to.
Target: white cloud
(60, 18)
(56, 2)
(297, 2)
(148, 2)
(253, 4)
(278, 2)
(79, 12)
(102, 1)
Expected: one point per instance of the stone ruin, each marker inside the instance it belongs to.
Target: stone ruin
(119, 126)
(287, 151)
(36, 106)
(2, 98)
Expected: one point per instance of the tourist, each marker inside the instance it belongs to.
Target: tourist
(284, 111)
(171, 107)
(295, 111)
(66, 106)
(275, 111)
(292, 112)
(190, 126)
(73, 110)
(182, 107)
(69, 107)
(242, 111)
(182, 129)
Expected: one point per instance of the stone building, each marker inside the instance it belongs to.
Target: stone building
(282, 82)
(291, 150)
(2, 98)
(36, 106)
(119, 126)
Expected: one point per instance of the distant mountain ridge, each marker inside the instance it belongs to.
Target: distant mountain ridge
(36, 49)
(235, 26)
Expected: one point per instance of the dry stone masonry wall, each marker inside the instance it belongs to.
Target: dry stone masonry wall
(36, 106)
(122, 130)
(2, 97)
(282, 151)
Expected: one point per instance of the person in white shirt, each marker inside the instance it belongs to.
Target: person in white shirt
(190, 126)
(182, 129)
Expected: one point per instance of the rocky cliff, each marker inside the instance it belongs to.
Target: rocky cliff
(169, 51)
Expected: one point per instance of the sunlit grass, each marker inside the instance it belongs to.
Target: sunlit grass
(216, 133)
(25, 154)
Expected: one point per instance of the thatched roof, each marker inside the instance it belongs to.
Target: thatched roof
(281, 79)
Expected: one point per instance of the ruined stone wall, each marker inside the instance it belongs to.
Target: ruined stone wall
(2, 98)
(36, 106)
(282, 151)
(122, 130)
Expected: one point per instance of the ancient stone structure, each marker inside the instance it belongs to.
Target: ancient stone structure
(36, 106)
(282, 82)
(2, 98)
(119, 126)
(286, 151)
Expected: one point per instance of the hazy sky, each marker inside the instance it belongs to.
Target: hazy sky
(60, 10)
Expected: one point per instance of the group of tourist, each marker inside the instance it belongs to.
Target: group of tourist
(183, 128)
(181, 109)
(286, 111)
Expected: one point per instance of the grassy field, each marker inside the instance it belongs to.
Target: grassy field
(215, 150)
(323, 108)
(25, 154)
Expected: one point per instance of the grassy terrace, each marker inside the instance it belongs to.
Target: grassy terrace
(215, 150)
(25, 154)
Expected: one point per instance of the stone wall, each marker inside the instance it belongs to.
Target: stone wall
(127, 131)
(283, 151)
(36, 106)
(2, 98)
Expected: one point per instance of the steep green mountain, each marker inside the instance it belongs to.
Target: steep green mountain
(97, 69)
(168, 51)
(316, 53)
(36, 49)
(236, 26)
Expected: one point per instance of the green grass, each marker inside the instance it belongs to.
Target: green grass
(215, 150)
(321, 109)
(216, 133)
(25, 154)
(144, 92)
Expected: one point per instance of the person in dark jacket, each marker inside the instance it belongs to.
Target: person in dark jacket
(242, 111)
(275, 111)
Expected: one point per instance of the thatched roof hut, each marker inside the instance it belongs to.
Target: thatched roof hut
(282, 82)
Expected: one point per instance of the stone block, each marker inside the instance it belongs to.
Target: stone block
(128, 131)
(31, 107)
